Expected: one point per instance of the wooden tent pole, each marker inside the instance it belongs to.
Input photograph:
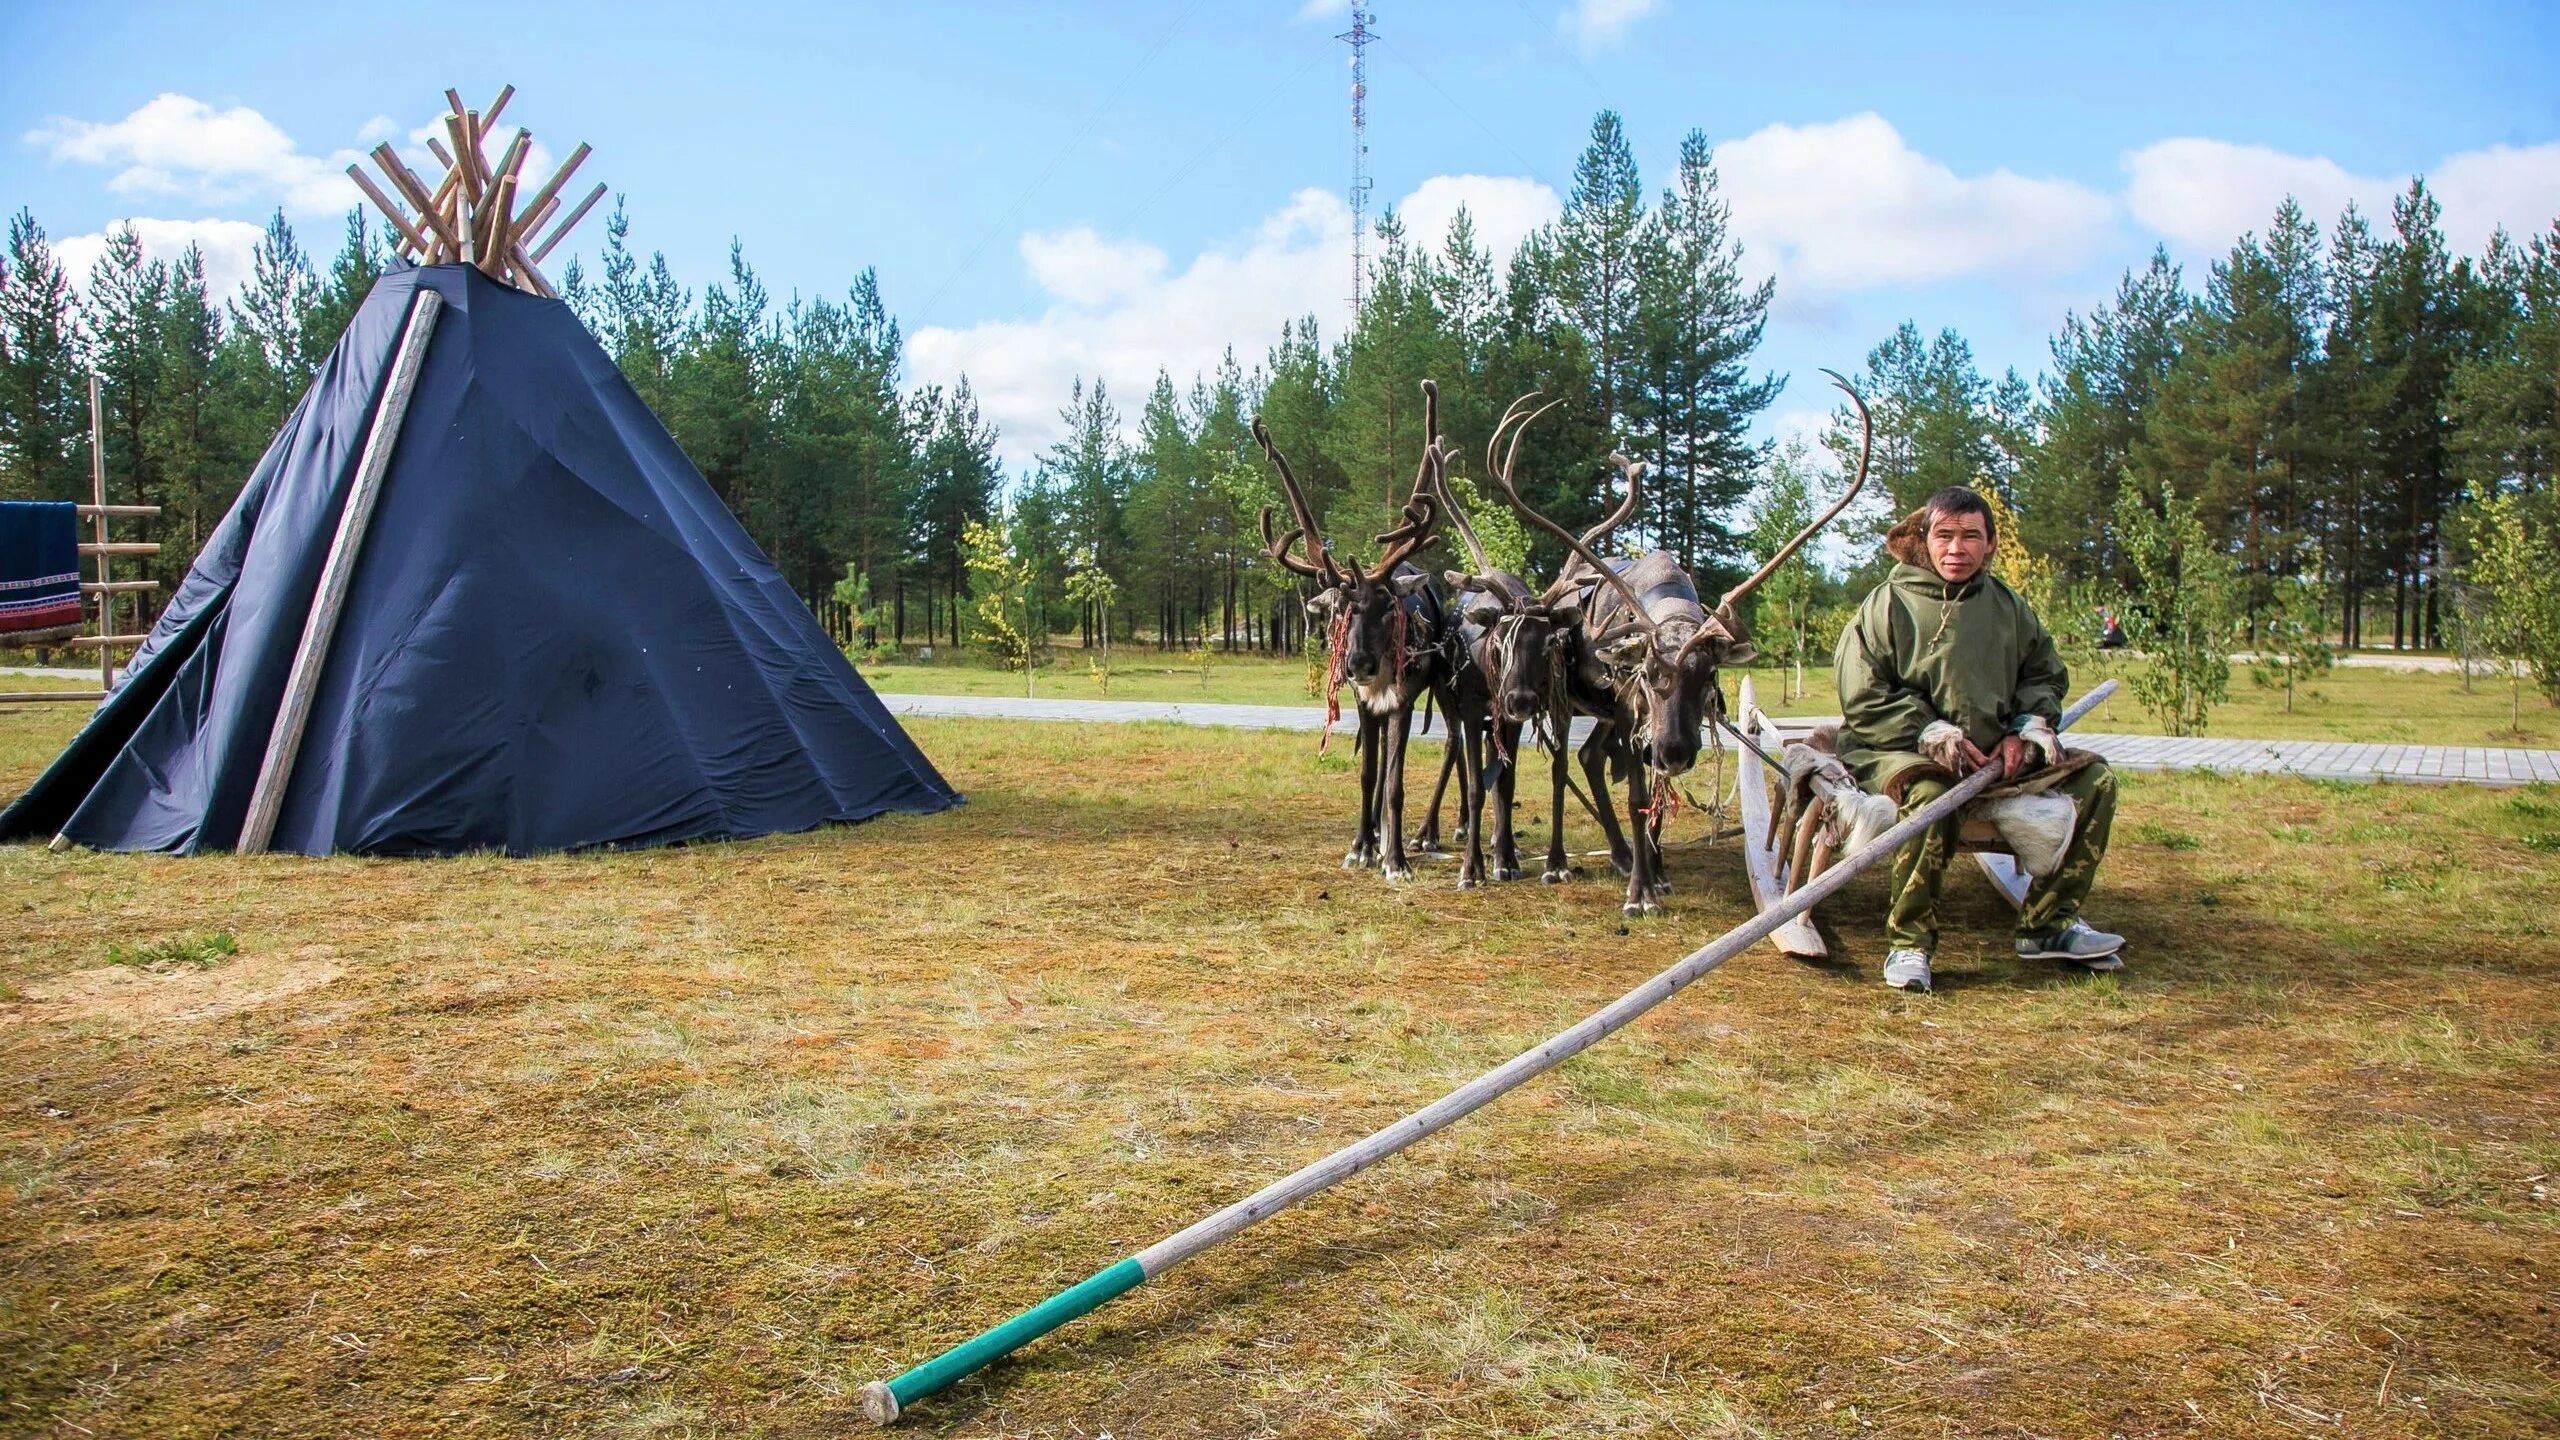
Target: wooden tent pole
(284, 742)
(882, 1401)
(98, 494)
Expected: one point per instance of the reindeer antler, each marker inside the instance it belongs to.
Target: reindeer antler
(1313, 536)
(1634, 471)
(1279, 549)
(1502, 477)
(1866, 449)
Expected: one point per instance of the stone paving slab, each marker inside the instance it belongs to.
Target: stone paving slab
(2311, 759)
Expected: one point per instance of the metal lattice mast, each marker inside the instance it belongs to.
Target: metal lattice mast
(1358, 38)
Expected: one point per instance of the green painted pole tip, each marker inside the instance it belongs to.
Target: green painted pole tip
(882, 1400)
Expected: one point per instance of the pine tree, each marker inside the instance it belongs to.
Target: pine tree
(2105, 369)
(1562, 467)
(273, 310)
(361, 261)
(1783, 605)
(2506, 397)
(1088, 473)
(200, 473)
(1698, 324)
(955, 487)
(128, 301)
(1162, 512)
(643, 315)
(719, 382)
(2420, 338)
(1595, 273)
(1933, 423)
(2222, 422)
(43, 395)
(1374, 429)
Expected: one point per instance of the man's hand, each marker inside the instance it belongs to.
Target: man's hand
(1974, 759)
(1947, 747)
(2014, 756)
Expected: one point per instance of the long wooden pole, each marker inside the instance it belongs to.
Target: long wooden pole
(284, 742)
(884, 1400)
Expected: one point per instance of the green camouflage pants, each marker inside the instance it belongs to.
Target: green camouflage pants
(2052, 902)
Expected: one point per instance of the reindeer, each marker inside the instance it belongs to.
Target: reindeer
(1516, 658)
(1388, 634)
(1654, 650)
(1484, 734)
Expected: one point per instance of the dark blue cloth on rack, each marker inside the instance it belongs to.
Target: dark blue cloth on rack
(39, 566)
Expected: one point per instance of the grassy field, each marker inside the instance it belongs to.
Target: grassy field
(2370, 705)
(692, 1142)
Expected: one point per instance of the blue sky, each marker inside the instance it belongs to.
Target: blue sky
(1050, 191)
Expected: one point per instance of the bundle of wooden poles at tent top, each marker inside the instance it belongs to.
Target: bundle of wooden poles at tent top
(884, 1400)
(477, 214)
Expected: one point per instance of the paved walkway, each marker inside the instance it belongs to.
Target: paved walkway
(2312, 759)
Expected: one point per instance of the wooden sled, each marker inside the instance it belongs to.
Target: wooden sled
(1778, 864)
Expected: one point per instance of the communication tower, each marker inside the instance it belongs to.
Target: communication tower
(1358, 38)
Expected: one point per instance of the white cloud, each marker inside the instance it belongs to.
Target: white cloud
(2202, 194)
(1083, 269)
(1120, 310)
(226, 245)
(1595, 24)
(1504, 209)
(177, 145)
(1323, 9)
(1849, 205)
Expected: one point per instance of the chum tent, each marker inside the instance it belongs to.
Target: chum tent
(553, 634)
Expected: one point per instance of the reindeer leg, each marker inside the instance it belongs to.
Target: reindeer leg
(1640, 899)
(1427, 839)
(1654, 864)
(1398, 727)
(1364, 844)
(1506, 777)
(1468, 740)
(1596, 753)
(1559, 869)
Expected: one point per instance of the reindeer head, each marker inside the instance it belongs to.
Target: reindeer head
(1647, 634)
(1379, 626)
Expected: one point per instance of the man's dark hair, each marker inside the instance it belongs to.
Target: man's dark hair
(1961, 500)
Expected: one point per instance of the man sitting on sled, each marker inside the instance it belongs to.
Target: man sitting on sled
(1946, 670)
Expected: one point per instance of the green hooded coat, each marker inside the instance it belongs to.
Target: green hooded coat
(1922, 649)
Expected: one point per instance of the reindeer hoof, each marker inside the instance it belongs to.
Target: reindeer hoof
(1633, 910)
(1506, 872)
(1469, 882)
(1396, 871)
(1557, 877)
(1661, 887)
(1428, 845)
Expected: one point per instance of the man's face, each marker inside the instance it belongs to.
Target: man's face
(1958, 544)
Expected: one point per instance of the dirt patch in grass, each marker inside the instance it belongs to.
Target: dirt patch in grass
(695, 1141)
(135, 998)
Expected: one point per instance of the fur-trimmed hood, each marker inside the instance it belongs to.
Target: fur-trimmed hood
(1908, 540)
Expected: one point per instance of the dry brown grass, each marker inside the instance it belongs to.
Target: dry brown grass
(692, 1142)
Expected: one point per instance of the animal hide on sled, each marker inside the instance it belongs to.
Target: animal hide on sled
(2034, 821)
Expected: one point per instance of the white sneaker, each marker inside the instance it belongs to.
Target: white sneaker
(1907, 970)
(2077, 943)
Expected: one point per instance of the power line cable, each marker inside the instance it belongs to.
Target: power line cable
(1437, 89)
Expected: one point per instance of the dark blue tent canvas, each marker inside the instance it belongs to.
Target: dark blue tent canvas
(556, 636)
